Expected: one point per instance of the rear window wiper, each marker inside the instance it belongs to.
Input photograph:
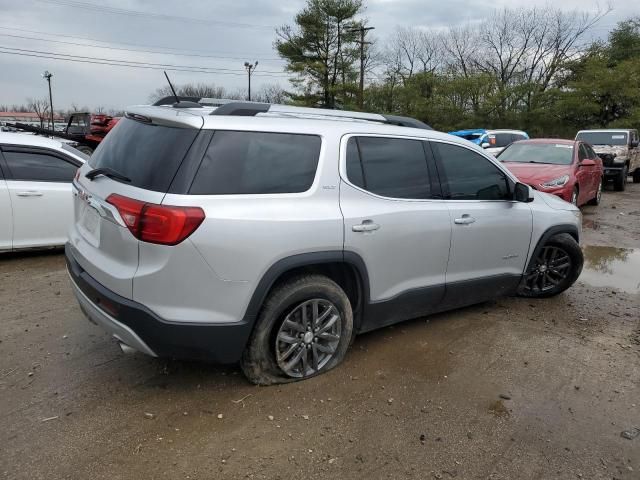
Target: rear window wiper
(107, 172)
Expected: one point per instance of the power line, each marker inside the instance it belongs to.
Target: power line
(139, 13)
(157, 47)
(124, 49)
(127, 63)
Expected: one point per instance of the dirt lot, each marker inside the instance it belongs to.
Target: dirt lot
(513, 389)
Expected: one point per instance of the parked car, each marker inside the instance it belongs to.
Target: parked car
(36, 205)
(620, 153)
(271, 235)
(493, 141)
(566, 168)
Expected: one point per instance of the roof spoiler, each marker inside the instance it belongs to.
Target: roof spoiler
(250, 109)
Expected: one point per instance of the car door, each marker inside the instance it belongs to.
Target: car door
(6, 214)
(396, 222)
(596, 170)
(39, 185)
(634, 150)
(586, 176)
(490, 233)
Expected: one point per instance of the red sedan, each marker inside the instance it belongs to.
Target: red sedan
(566, 168)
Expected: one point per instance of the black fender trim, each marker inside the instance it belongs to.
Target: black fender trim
(286, 264)
(550, 232)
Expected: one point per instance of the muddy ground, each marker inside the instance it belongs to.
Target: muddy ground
(512, 389)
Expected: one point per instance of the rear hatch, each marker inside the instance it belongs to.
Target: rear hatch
(141, 156)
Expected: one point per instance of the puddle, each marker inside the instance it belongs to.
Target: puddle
(612, 267)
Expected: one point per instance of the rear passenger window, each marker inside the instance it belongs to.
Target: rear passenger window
(470, 176)
(257, 162)
(391, 167)
(39, 167)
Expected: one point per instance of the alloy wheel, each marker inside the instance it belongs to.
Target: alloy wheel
(599, 194)
(308, 338)
(552, 266)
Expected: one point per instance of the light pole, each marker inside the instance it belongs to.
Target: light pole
(47, 76)
(250, 67)
(363, 31)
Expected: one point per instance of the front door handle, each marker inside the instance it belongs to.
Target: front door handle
(30, 193)
(366, 226)
(466, 219)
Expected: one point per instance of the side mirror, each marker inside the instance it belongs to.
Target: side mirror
(522, 193)
(587, 162)
(634, 144)
(485, 145)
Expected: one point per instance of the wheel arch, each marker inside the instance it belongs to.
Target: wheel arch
(345, 268)
(550, 232)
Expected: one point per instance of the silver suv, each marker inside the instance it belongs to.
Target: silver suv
(271, 235)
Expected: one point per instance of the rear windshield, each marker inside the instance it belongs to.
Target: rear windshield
(552, 153)
(603, 138)
(257, 163)
(148, 154)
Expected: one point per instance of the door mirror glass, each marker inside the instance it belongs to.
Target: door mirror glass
(522, 193)
(634, 144)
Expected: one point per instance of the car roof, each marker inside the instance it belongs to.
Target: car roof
(549, 141)
(333, 127)
(603, 130)
(503, 130)
(12, 138)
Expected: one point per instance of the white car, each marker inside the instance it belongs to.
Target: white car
(36, 203)
(495, 141)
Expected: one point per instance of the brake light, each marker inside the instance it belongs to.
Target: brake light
(161, 224)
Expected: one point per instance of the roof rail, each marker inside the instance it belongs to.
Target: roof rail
(199, 101)
(249, 109)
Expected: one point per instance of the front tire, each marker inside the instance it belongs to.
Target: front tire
(304, 329)
(556, 267)
(620, 182)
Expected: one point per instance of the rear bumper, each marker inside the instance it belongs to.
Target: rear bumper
(612, 171)
(138, 327)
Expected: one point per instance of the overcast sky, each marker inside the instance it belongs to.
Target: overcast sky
(212, 34)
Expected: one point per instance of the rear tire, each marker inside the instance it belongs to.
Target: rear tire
(556, 267)
(620, 182)
(636, 175)
(596, 200)
(286, 345)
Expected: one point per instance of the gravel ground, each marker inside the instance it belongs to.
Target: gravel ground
(509, 389)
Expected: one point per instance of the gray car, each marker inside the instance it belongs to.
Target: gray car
(272, 235)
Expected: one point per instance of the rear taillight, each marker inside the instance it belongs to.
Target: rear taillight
(161, 224)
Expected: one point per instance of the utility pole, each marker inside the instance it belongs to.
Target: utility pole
(47, 76)
(250, 67)
(363, 31)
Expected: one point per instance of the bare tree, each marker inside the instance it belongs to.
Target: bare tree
(411, 51)
(200, 90)
(41, 108)
(271, 93)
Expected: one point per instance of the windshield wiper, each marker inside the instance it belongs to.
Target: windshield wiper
(107, 172)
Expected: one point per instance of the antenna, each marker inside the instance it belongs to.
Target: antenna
(173, 90)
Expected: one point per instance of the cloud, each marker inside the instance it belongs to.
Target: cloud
(115, 87)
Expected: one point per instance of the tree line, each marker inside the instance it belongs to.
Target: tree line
(533, 69)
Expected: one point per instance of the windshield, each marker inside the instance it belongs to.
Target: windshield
(551, 153)
(603, 138)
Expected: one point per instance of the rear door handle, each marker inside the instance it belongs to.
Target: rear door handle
(466, 219)
(30, 193)
(366, 226)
